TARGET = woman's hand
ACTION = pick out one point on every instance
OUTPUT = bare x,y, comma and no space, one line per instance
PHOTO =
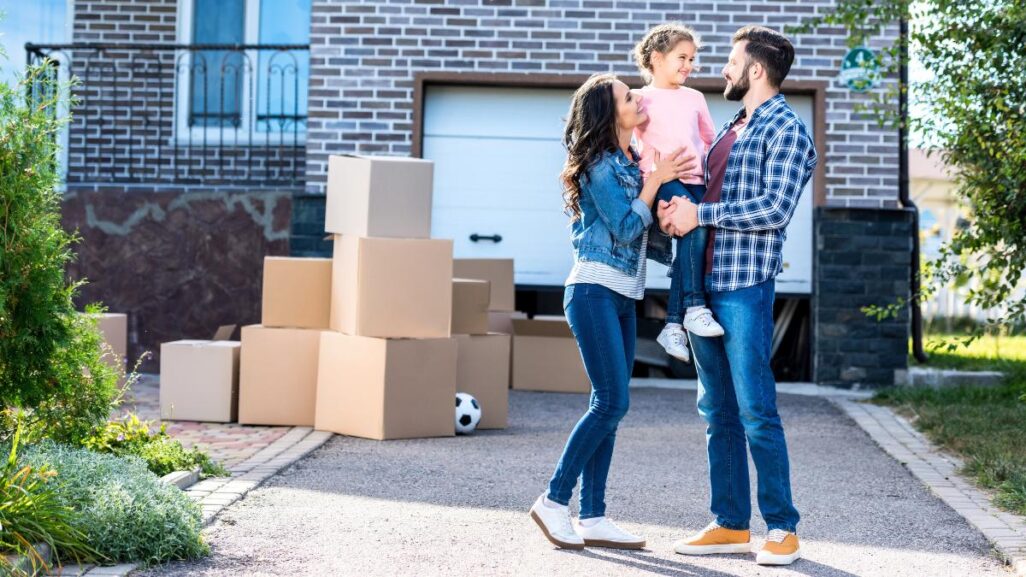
673,166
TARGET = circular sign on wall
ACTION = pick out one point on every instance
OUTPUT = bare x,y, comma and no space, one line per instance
860,69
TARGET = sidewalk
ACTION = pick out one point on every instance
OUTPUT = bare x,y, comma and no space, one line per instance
458,505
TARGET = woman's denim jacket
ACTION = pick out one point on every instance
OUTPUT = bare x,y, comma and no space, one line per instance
613,218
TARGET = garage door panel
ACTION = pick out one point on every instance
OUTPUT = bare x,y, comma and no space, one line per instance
471,111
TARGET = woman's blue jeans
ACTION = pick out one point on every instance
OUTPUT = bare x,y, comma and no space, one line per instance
737,397
688,268
604,325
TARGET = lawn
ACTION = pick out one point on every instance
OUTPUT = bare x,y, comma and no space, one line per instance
985,426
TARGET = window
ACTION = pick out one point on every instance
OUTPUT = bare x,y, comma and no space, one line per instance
254,89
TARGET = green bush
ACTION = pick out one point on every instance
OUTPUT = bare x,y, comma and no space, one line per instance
162,454
125,511
31,513
50,356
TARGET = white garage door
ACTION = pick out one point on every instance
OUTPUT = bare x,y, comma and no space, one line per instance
497,157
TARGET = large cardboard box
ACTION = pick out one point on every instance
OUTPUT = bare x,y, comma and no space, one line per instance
199,379
498,271
470,298
386,388
379,196
482,369
278,376
296,293
388,287
502,321
546,357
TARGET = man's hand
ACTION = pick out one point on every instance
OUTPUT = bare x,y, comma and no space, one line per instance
678,217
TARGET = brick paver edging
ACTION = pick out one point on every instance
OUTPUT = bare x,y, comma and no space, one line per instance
939,472
215,494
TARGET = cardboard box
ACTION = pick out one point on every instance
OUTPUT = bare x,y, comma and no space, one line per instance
379,196
482,370
498,271
199,379
470,298
278,376
546,357
502,321
296,293
386,388
387,287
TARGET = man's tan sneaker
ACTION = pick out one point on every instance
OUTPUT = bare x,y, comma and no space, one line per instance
715,540
781,548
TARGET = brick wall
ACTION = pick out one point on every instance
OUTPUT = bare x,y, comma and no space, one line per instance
364,56
862,257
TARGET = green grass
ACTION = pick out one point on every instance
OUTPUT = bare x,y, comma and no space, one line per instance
985,426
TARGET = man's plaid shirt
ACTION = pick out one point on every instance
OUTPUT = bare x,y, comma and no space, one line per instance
767,170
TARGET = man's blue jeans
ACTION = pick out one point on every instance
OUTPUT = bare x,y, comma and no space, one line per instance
603,322
737,397
688,268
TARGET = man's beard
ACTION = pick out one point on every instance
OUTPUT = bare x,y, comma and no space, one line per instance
735,91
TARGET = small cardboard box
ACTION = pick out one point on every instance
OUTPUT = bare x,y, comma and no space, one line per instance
482,370
278,376
498,271
546,357
297,292
199,379
379,196
388,287
502,321
470,298
114,328
386,388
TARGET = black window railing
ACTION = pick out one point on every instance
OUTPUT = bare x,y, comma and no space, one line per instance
184,113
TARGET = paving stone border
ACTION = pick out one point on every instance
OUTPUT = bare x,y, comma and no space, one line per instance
217,493
939,472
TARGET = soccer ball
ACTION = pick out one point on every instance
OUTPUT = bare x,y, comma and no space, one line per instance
468,413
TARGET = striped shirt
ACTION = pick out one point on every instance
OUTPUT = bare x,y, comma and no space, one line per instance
588,272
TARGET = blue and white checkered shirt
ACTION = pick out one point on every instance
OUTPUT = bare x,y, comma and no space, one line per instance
768,168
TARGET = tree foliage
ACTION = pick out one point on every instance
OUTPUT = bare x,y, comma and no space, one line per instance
971,110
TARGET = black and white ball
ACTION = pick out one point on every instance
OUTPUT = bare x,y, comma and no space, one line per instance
468,413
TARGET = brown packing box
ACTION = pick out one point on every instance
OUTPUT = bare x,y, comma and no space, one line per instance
483,363
498,271
114,328
502,321
296,293
470,298
278,376
546,357
386,388
379,196
199,379
388,287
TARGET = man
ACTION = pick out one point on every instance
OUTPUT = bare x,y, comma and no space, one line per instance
756,170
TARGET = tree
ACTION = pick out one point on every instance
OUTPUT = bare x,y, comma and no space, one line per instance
971,111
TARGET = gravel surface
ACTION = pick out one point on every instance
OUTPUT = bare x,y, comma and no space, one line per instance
458,506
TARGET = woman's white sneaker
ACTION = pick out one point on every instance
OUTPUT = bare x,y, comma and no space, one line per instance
700,322
555,523
604,533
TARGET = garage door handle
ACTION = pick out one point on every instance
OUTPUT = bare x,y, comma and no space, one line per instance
478,237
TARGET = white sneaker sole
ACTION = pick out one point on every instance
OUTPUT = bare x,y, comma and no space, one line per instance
557,542
705,332
712,549
614,544
764,558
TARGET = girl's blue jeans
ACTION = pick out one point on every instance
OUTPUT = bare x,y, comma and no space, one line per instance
688,268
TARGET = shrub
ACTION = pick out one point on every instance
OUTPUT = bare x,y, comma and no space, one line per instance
162,454
125,511
50,356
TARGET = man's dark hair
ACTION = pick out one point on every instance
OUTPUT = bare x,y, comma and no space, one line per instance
770,48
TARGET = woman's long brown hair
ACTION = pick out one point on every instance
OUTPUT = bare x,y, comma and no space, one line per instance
591,129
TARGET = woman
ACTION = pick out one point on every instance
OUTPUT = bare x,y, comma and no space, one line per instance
611,212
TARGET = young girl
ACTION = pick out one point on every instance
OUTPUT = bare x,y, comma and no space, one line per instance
610,212
678,117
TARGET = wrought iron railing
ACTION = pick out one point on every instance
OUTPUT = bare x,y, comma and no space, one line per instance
184,113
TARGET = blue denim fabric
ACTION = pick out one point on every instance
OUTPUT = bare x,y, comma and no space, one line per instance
613,218
604,324
737,397
688,267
